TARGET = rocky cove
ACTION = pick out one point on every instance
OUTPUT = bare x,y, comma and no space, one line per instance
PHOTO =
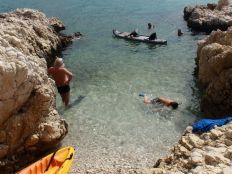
28,95
210,152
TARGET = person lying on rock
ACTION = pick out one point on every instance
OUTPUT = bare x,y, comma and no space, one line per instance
160,100
62,78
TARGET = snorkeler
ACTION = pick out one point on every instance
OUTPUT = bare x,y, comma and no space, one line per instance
160,100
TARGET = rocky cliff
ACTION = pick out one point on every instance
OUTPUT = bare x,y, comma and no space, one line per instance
214,59
28,117
209,17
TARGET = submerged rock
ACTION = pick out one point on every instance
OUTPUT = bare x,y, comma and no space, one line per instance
209,17
29,120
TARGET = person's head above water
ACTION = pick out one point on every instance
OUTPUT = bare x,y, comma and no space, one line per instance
179,32
58,62
174,105
149,25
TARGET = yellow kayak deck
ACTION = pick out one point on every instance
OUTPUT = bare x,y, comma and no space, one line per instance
58,162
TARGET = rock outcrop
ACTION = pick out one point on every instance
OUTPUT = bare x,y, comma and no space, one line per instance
207,153
28,117
214,59
209,17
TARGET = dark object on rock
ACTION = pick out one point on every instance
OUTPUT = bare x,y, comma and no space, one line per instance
205,125
211,6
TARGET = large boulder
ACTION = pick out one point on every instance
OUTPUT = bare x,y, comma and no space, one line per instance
214,59
29,120
209,17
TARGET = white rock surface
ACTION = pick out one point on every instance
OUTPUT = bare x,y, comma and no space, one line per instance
212,157
29,119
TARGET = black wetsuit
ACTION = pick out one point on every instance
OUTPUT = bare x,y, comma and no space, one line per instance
152,36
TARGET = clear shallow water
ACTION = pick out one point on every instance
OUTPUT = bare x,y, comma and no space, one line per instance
108,122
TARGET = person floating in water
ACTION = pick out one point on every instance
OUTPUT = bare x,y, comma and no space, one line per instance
62,78
150,26
179,32
160,100
133,34
152,35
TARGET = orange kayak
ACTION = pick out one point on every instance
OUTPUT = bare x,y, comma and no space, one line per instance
58,162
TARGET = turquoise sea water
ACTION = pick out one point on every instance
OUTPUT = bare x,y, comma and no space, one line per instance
109,125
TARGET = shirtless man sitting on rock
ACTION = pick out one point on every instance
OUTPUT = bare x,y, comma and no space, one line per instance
62,79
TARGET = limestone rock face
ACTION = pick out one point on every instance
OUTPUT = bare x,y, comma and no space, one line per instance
28,118
214,59
209,17
198,153
222,3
